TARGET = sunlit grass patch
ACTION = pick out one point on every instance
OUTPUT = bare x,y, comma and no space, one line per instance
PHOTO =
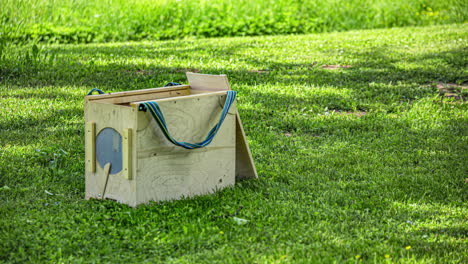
360,163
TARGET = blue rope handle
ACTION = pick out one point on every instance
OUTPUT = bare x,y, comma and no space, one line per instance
95,90
158,116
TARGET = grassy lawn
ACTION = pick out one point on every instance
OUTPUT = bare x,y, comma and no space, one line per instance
84,21
359,157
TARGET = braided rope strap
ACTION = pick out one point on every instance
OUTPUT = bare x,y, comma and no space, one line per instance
95,90
158,116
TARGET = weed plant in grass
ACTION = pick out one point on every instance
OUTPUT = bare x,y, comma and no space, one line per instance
359,157
84,21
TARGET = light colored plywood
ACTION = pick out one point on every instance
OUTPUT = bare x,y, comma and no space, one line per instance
127,150
245,166
167,172
152,167
208,82
192,91
142,97
119,118
90,142
196,96
127,94
143,122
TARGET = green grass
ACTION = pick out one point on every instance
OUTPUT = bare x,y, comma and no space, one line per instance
84,21
355,164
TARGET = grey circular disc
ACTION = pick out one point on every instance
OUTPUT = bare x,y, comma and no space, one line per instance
109,149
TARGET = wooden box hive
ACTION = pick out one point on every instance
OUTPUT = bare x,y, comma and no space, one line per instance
147,166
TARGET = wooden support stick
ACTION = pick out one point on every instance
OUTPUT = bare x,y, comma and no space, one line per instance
107,168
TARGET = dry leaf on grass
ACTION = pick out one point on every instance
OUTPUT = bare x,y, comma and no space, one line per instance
187,70
452,90
334,67
357,113
259,71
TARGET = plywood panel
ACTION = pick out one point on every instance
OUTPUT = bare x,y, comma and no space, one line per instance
168,172
208,82
155,169
192,96
119,118
144,97
129,94
245,166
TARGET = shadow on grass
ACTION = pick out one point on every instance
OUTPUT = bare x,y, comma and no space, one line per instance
35,94
138,66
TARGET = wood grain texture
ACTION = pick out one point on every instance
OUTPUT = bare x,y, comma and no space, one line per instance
167,172
127,95
153,168
245,166
208,82
187,97
119,118
144,97
127,151
90,143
